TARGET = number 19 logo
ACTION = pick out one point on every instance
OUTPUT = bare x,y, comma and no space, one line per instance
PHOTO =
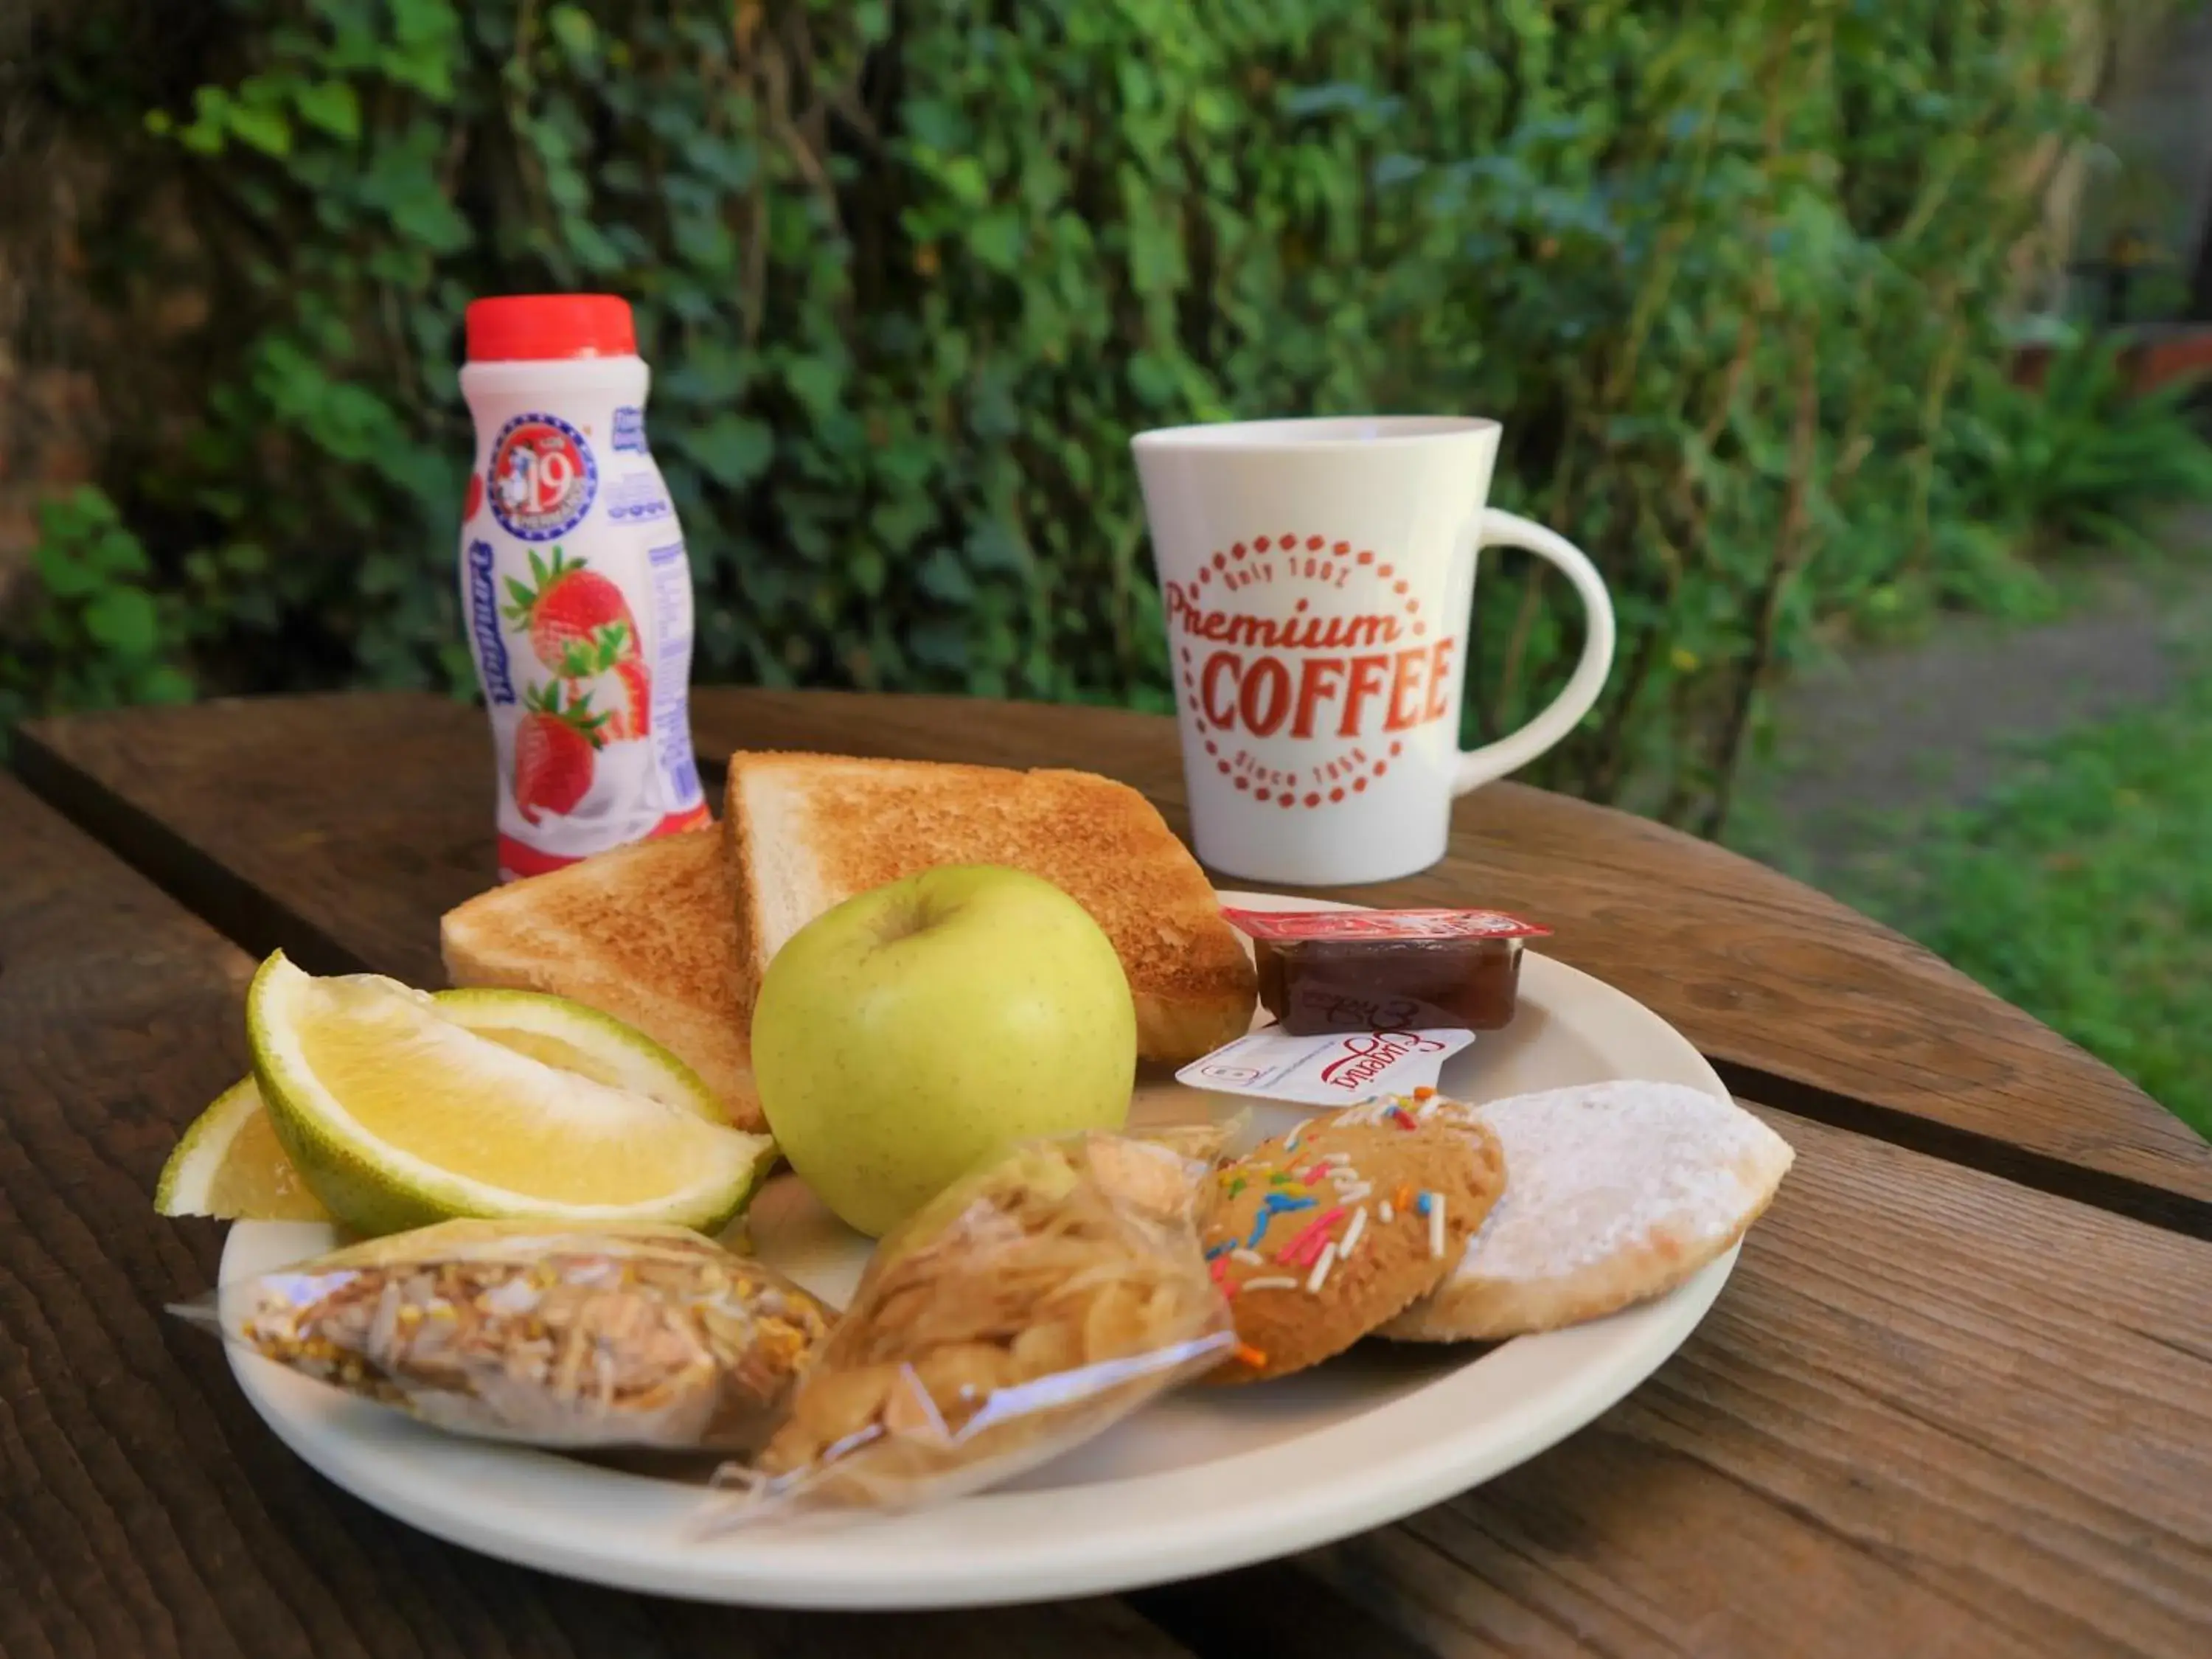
542,477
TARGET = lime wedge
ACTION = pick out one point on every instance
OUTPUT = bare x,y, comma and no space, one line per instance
398,1114
228,1165
575,1038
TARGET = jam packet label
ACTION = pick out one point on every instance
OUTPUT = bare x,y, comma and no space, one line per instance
1323,1006
1287,927
1340,1069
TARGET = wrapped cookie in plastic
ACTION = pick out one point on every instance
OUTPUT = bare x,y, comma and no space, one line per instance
1027,1309
557,1335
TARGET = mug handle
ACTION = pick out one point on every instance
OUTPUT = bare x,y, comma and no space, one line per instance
1515,750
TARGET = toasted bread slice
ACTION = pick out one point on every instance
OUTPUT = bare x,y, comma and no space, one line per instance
808,831
644,932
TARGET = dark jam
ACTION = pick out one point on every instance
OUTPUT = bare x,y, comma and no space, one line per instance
1324,971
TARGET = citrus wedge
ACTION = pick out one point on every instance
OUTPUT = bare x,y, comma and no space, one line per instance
397,1114
582,1040
228,1165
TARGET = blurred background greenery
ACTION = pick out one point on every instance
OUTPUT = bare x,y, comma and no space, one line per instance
1747,280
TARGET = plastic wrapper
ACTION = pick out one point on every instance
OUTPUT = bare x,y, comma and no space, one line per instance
1175,1187
1204,1143
1026,1310
557,1335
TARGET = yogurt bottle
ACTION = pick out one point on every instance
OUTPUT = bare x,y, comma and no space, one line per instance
574,584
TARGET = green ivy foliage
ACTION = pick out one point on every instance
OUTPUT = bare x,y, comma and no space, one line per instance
102,637
909,276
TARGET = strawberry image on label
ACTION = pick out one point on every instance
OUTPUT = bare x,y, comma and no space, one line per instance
612,654
567,606
556,750
633,716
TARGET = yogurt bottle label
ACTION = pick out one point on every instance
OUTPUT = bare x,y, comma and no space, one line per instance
493,671
575,586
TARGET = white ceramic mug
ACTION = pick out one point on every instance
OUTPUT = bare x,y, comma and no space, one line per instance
1319,580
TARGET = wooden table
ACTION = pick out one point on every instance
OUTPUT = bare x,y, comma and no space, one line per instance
1957,1399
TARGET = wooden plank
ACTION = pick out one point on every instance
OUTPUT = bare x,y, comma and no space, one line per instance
144,1508
341,827
1798,998
1933,1414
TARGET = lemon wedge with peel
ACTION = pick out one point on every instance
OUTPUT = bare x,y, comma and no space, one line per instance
228,1164
397,1113
575,1038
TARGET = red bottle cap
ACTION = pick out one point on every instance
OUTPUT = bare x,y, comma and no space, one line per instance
536,327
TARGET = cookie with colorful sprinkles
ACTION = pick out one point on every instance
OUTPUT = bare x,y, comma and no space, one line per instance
1319,1236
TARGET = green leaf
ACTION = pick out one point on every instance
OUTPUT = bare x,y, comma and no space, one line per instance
424,216
264,126
731,449
594,252
815,382
899,523
1151,379
123,619
939,642
731,162
332,106
943,578
963,180
996,239
1329,99
572,28
711,369
65,572
115,552
166,684
867,568
708,244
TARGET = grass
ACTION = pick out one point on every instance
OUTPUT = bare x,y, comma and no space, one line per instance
2079,890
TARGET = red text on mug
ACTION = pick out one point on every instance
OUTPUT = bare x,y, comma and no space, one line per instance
1352,658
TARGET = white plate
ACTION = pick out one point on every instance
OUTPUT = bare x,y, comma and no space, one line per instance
1202,1481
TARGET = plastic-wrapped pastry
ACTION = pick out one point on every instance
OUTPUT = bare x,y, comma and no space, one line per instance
556,1334
1026,1310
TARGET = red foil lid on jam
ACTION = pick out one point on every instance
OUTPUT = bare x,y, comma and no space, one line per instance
1288,926
1412,970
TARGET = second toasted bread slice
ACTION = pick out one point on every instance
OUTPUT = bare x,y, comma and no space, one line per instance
808,831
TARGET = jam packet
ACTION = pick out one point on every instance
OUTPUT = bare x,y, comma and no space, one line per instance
1323,971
